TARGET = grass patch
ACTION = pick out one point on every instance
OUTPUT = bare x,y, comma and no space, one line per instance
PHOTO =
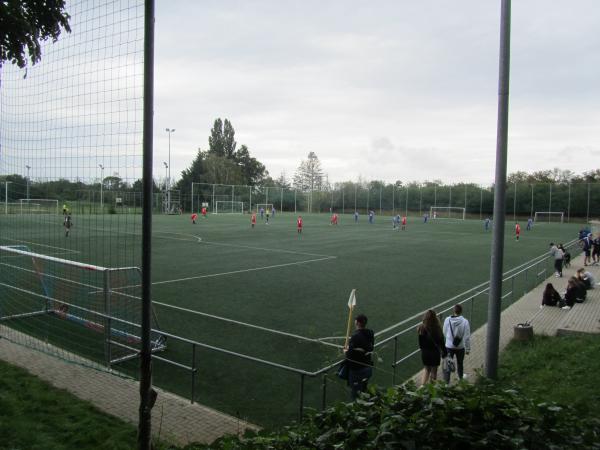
559,369
35,415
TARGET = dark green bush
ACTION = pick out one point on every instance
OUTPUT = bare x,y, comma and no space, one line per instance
437,416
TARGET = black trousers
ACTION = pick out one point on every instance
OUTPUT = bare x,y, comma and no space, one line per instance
460,358
558,265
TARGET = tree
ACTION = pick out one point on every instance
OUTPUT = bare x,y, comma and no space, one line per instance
253,170
27,23
282,182
221,141
309,175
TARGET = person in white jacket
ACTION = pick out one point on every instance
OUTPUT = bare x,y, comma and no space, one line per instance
457,334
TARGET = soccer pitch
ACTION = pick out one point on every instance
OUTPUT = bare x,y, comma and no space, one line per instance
272,294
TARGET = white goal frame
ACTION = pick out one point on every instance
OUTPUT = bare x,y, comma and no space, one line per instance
72,301
549,214
29,202
268,207
228,207
460,209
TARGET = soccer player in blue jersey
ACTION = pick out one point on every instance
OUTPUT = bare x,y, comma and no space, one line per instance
529,224
355,216
486,224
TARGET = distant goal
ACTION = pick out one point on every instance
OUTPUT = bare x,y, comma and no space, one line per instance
549,216
228,207
447,212
37,206
264,206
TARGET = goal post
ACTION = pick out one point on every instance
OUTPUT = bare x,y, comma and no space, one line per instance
48,291
448,212
264,206
38,206
228,207
549,216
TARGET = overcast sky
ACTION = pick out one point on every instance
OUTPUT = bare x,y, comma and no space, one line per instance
392,90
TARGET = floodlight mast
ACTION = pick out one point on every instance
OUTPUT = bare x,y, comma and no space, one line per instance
169,131
28,167
101,188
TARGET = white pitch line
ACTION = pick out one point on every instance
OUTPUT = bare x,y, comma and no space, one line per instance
255,269
248,247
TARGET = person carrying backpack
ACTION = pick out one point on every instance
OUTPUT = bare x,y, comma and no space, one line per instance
457,333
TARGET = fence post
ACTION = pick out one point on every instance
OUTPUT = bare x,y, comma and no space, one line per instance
107,322
395,359
301,395
324,390
193,372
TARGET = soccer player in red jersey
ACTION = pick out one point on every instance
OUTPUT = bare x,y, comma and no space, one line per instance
334,219
253,219
194,217
403,222
517,231
204,212
299,224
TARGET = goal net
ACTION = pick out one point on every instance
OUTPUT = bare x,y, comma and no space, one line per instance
38,206
549,216
85,309
228,207
264,206
447,212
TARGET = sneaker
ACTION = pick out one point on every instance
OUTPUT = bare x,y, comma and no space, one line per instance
566,307
556,275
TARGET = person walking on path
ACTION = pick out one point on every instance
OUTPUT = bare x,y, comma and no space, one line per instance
431,343
558,256
457,333
358,356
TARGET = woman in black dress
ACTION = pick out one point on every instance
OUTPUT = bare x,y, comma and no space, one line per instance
431,343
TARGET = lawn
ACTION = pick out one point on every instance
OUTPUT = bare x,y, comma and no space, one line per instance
224,284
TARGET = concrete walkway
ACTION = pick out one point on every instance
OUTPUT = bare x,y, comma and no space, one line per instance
582,318
174,419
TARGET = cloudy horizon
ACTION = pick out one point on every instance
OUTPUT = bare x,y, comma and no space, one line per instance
401,91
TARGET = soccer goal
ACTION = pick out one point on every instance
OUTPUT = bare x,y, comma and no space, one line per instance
38,206
549,216
228,207
86,309
447,212
264,206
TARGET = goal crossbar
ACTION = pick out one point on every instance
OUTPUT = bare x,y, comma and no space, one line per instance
539,214
448,209
228,207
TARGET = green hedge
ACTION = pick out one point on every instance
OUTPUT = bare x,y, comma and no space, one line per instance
436,416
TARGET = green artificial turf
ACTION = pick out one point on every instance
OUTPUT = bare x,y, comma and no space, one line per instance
272,277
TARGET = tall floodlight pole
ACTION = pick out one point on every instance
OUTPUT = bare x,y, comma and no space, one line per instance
28,167
166,201
495,298
169,130
101,188
147,394
6,183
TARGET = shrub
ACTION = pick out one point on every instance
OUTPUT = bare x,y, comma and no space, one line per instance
435,416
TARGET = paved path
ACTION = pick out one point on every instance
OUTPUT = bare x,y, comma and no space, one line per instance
582,318
174,418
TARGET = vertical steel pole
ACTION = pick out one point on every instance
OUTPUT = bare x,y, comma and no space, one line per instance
495,296
380,210
145,409
232,196
192,197
531,213
465,198
569,205
212,209
480,203
549,200
515,204
301,395
393,201
107,321
406,204
587,214
420,200
450,196
193,373
355,189
435,195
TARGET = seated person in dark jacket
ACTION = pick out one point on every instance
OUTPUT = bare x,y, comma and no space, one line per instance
571,292
551,297
358,356
581,289
585,277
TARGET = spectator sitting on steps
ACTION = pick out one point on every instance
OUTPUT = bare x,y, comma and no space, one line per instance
551,297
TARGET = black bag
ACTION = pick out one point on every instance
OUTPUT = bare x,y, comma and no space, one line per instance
342,371
455,339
